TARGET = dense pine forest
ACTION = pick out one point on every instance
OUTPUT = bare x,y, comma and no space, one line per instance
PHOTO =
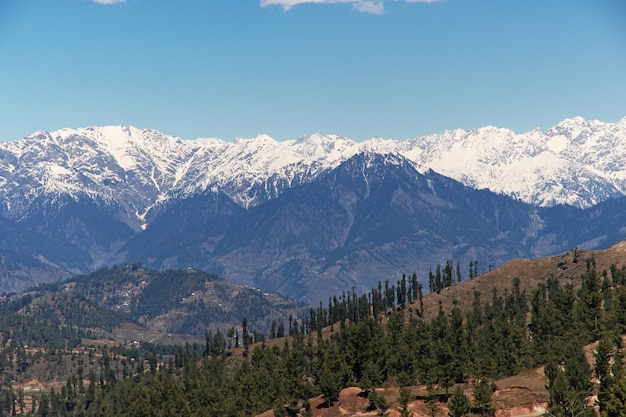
365,341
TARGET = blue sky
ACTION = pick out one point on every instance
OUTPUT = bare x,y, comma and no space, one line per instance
238,68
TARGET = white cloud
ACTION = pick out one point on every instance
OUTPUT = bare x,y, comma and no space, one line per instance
109,1
365,6
288,4
375,7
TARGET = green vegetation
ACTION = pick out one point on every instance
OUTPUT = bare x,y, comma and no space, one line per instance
371,340
186,301
459,404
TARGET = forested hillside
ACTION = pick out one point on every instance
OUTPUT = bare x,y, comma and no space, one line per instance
57,335
445,361
181,301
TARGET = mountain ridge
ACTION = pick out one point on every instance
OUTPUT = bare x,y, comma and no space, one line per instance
306,217
147,167
373,217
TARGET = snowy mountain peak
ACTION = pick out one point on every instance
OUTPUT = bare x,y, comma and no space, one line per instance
330,148
258,139
572,121
577,162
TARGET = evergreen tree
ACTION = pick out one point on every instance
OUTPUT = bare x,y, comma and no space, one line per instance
457,339
616,405
279,410
578,371
432,402
331,374
588,310
280,332
244,332
445,366
565,400
602,370
404,397
153,361
44,406
378,402
438,285
459,405
273,330
482,397
415,286
431,280
307,411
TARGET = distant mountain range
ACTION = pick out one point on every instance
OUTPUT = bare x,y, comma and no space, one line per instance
309,217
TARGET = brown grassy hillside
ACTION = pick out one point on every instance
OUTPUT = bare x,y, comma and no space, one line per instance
521,395
568,267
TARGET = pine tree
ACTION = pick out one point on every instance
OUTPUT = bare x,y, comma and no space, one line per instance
431,280
616,405
459,404
564,399
438,285
404,397
603,356
244,331
482,397
432,402
378,402
279,410
331,374
578,371
307,411
588,310
44,406
273,330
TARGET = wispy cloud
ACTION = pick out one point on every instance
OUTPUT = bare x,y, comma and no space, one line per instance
365,6
109,1
375,7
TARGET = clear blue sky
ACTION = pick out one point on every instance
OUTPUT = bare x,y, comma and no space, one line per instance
238,68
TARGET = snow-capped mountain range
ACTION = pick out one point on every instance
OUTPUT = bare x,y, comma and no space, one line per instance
306,217
577,162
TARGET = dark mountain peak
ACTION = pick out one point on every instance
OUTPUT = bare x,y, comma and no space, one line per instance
369,169
178,228
373,161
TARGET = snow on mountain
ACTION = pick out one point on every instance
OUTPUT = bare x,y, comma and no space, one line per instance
576,162
117,165
252,170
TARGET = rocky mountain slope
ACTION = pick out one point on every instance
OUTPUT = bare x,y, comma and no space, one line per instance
372,218
306,217
576,162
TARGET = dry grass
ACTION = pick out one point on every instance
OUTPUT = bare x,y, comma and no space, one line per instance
529,271
520,395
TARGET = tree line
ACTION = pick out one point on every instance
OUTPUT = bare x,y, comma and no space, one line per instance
374,340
